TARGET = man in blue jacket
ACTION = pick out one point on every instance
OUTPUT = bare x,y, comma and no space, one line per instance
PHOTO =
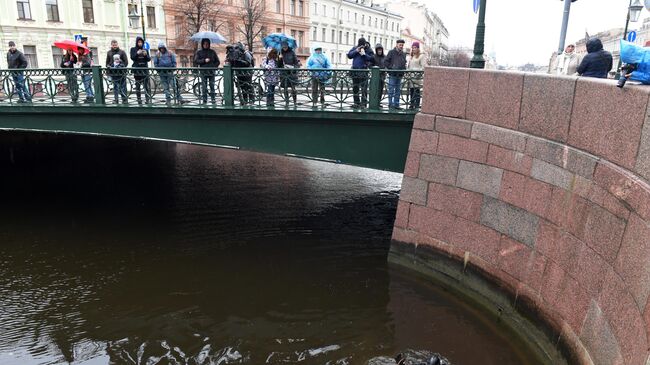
597,62
361,56
167,59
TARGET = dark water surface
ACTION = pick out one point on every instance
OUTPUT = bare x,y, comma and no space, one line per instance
123,252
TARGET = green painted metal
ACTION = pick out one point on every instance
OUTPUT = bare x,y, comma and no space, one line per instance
228,87
375,88
375,140
98,85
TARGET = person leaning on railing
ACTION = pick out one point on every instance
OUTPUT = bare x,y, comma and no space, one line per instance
395,60
271,76
68,61
165,62
118,76
416,62
16,60
86,62
361,56
206,58
319,78
141,58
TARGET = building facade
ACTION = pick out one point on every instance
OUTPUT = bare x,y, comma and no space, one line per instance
336,26
279,16
36,24
420,23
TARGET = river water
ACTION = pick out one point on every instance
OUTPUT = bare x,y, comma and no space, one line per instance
130,252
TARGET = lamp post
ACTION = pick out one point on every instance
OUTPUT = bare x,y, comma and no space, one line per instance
565,23
134,16
479,41
633,14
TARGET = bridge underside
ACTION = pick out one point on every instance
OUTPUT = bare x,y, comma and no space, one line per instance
374,140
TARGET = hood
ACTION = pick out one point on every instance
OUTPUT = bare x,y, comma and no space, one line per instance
203,43
138,38
316,46
161,45
594,45
378,46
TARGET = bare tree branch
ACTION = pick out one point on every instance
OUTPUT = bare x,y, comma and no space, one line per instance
251,19
199,15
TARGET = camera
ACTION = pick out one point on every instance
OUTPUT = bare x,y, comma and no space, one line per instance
626,70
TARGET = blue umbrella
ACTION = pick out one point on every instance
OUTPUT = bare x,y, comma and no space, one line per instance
214,37
274,40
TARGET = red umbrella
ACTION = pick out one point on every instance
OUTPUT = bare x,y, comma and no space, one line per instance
73,46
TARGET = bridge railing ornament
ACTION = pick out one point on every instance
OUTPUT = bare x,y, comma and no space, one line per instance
227,87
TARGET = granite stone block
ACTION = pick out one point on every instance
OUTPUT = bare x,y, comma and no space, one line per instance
565,295
424,121
433,223
476,239
551,174
412,165
449,100
513,187
438,169
603,232
404,235
494,97
402,215
642,166
414,191
459,202
633,261
509,220
502,137
546,106
634,192
521,262
458,127
462,148
611,127
509,160
599,339
581,163
545,150
479,178
423,141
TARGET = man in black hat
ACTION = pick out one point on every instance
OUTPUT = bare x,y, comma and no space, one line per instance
395,60
17,60
361,57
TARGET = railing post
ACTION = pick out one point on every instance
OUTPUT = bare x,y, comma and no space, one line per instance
375,88
228,87
98,84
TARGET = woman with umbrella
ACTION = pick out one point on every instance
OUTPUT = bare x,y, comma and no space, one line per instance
68,62
287,59
206,57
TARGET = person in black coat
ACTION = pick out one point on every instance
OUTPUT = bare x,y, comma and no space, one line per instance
206,57
141,59
67,64
17,60
289,79
597,63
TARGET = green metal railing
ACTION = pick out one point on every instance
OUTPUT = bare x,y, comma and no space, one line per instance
227,87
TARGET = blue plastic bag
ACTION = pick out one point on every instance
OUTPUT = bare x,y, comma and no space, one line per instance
631,53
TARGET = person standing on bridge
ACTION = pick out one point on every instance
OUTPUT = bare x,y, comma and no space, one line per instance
68,61
141,58
361,57
17,60
166,59
271,76
416,62
395,60
567,62
86,62
379,62
288,59
206,57
597,63
117,71
319,60
124,62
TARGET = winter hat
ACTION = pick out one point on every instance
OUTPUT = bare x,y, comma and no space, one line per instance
378,46
415,44
12,44
116,57
400,41
362,42
161,44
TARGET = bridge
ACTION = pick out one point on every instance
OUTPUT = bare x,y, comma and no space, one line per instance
143,103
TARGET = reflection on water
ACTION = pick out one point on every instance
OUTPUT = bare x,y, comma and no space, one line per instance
123,252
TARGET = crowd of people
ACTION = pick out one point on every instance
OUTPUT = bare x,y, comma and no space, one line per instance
280,70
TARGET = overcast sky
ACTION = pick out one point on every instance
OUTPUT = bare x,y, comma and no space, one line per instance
522,31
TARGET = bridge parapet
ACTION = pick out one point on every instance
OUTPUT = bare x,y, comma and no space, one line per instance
540,184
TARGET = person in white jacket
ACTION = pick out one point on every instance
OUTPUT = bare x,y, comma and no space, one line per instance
417,61
567,62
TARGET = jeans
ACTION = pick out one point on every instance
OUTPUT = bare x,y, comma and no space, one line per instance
414,93
119,88
88,86
270,94
317,89
360,86
140,81
73,87
205,81
19,81
394,90
168,80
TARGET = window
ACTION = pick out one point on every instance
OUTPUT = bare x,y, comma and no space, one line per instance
292,7
151,17
332,56
333,12
301,38
212,25
293,33
301,5
333,35
348,15
133,23
355,17
392,26
398,27
340,36
314,34
315,9
24,11
354,38
52,9
375,22
178,26
278,6
324,10
363,20
381,23
89,14
347,37
30,55
57,56
340,56
323,34
278,30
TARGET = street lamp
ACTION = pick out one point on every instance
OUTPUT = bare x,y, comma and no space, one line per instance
479,41
633,14
134,16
